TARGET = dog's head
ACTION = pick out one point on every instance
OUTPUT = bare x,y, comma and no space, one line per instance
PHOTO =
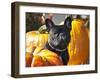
59,35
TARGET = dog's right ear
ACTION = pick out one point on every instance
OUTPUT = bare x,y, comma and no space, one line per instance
49,24
68,22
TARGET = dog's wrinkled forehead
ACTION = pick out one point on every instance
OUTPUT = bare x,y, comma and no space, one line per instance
57,29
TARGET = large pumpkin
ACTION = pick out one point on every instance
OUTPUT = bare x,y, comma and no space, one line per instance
34,39
79,45
44,57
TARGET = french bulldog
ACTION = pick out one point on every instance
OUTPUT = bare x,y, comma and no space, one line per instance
59,38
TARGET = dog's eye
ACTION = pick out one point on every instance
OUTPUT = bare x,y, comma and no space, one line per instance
55,33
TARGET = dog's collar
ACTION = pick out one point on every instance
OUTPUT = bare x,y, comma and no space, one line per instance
56,49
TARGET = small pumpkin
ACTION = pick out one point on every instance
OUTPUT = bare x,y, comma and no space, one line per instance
79,45
34,39
45,57
28,59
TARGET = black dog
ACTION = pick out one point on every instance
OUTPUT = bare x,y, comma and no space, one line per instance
59,38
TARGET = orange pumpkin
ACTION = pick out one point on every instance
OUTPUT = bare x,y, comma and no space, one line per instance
34,39
79,45
28,59
45,57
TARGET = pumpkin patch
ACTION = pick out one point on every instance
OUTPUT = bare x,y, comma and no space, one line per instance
78,47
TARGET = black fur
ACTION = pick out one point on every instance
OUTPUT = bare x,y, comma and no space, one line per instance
59,38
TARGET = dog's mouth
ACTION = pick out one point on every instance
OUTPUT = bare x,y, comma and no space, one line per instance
57,48
58,44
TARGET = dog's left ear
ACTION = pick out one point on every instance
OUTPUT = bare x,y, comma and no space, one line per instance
49,24
68,22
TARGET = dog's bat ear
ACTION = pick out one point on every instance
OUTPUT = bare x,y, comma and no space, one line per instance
49,23
68,22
